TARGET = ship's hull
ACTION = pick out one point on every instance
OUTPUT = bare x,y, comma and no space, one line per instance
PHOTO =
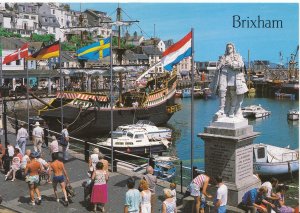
139,150
98,120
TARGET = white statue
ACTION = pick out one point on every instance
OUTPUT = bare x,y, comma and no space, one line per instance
230,82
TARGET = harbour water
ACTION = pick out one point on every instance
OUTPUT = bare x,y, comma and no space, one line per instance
275,129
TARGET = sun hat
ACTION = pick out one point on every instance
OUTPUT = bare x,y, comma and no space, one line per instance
37,123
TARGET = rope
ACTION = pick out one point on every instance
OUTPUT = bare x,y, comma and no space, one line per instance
81,127
80,110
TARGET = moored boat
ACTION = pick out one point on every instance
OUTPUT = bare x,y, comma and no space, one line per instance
137,141
164,167
186,93
152,130
273,160
178,93
293,115
255,111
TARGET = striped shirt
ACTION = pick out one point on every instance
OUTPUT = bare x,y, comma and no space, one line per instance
199,180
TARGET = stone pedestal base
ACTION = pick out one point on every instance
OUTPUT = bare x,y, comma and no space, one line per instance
229,153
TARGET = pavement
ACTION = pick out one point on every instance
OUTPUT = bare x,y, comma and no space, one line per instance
16,194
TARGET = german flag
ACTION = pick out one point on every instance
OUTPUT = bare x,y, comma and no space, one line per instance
50,51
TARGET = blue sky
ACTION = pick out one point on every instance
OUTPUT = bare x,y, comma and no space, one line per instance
212,25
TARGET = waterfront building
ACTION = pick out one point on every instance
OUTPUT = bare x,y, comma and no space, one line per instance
155,42
99,20
134,40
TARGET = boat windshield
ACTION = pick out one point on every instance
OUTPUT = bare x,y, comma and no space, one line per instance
129,134
139,136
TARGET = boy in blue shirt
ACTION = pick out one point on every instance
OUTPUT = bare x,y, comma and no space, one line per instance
132,198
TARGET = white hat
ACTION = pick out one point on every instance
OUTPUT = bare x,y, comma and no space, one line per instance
37,123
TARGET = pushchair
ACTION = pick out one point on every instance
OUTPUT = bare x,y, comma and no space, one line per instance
87,187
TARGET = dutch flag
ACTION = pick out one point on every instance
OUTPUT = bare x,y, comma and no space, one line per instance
177,52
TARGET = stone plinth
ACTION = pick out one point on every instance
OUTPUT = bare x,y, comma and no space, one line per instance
229,153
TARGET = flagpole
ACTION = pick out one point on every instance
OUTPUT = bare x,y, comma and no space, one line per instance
1,72
111,106
192,108
27,93
61,89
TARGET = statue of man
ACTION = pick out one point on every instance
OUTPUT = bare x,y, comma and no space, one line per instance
230,81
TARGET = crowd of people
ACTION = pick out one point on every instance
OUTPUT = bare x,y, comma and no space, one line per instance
141,199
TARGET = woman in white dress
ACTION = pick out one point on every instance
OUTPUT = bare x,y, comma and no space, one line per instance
146,197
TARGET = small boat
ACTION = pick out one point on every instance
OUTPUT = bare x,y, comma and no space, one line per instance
273,160
281,95
207,93
178,93
255,111
152,130
198,93
164,167
186,93
136,141
293,115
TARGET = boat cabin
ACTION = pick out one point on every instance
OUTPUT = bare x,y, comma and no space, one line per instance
260,154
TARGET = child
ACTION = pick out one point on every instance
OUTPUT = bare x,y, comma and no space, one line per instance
173,190
168,206
146,197
132,198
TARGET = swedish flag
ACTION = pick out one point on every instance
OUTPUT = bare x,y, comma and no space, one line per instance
95,50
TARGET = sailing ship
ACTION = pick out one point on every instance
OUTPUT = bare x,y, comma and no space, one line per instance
90,113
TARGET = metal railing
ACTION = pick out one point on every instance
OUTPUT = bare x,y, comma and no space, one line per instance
182,176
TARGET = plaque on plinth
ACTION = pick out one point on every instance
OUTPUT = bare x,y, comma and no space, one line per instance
229,153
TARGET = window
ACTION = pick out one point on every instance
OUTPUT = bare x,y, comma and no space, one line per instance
18,62
54,30
129,134
139,136
46,20
26,16
33,17
53,11
261,152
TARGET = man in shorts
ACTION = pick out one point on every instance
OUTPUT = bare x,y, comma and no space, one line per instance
58,168
33,168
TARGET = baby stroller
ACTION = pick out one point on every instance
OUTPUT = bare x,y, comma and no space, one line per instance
87,187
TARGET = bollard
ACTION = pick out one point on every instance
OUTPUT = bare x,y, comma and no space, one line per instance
16,124
194,172
5,122
86,151
181,181
114,163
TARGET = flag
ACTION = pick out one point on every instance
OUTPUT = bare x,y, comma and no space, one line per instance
177,52
17,55
95,50
50,51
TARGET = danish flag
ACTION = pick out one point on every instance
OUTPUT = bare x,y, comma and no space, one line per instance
17,55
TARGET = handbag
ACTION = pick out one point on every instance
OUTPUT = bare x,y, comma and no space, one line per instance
63,142
70,191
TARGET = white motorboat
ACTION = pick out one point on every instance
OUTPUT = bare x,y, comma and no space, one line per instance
255,111
152,130
137,141
293,115
273,160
